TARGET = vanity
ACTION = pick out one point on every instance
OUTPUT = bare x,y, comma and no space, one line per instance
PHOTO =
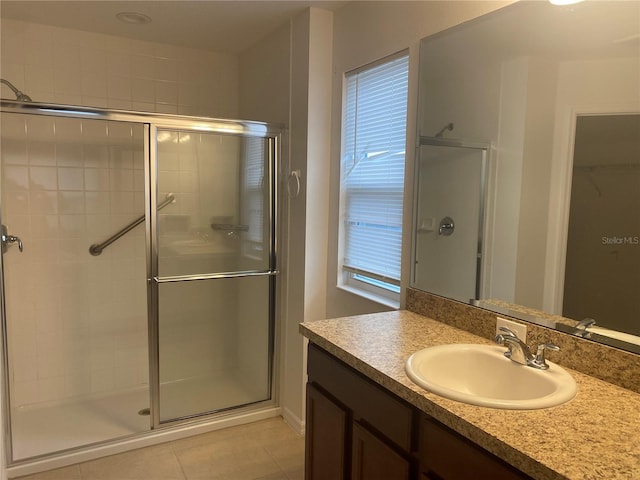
366,419
356,426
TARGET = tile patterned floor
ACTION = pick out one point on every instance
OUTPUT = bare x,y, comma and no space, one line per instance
265,450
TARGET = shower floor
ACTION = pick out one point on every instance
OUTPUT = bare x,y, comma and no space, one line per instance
60,426
71,424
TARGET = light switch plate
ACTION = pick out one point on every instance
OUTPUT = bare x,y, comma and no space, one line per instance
518,328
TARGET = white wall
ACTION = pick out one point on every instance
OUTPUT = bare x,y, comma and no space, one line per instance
309,139
505,182
536,177
264,80
522,137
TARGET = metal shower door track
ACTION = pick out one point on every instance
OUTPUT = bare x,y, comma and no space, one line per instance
205,124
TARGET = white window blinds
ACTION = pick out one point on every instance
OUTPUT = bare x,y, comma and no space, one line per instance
372,169
254,172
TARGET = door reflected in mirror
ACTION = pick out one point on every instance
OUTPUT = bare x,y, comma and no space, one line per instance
602,271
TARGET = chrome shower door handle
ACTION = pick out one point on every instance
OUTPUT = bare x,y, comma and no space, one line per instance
9,239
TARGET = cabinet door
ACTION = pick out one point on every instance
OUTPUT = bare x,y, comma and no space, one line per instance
326,431
372,459
386,414
448,456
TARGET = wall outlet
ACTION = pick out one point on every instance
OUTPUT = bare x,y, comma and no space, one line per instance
518,328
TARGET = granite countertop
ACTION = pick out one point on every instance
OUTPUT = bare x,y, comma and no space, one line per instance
596,435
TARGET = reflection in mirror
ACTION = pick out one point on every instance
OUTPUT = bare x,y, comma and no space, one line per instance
602,272
450,179
552,89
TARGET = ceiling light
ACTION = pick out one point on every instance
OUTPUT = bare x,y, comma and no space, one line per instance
564,2
133,18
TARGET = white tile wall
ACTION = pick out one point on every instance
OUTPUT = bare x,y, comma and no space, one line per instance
81,68
77,323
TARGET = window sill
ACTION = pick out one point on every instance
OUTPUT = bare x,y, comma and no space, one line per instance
387,302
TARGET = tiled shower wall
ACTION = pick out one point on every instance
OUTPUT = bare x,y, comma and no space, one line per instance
58,65
77,335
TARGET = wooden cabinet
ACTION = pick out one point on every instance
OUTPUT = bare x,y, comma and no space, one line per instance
444,455
325,448
373,458
357,430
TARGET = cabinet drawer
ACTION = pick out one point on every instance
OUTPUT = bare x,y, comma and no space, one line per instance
381,410
446,455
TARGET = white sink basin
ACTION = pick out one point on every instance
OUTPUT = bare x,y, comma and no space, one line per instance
482,375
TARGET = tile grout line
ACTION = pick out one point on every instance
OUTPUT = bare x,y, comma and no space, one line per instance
274,460
184,473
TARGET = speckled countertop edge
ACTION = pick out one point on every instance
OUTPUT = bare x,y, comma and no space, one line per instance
594,436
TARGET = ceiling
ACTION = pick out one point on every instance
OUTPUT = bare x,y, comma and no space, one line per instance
221,26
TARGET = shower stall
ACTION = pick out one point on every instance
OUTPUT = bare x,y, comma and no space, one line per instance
138,273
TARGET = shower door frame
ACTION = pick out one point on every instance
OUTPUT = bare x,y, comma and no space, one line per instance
154,279
485,149
151,122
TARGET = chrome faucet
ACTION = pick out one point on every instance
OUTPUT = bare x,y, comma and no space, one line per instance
519,352
582,326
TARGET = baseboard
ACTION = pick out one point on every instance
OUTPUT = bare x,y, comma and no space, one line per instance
293,420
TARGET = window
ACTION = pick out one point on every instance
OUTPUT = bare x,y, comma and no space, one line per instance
253,194
372,177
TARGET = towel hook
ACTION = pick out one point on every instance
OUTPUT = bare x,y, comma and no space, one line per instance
295,174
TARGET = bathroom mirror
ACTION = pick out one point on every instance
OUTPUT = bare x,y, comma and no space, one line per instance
555,93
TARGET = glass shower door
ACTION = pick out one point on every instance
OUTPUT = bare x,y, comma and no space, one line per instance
215,271
76,321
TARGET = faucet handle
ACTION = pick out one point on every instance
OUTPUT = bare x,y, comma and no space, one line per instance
540,361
